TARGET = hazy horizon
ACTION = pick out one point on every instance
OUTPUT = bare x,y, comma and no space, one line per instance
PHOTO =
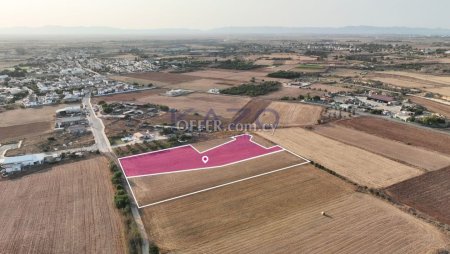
203,14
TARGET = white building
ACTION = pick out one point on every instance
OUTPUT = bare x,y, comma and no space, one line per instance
13,164
3,78
214,91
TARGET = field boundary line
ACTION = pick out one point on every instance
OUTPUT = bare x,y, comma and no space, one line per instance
209,168
129,185
223,185
282,149
190,145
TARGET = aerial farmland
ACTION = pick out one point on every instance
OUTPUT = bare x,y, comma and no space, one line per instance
217,143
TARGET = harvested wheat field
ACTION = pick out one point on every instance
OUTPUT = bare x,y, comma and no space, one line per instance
394,150
407,134
428,193
150,189
66,209
281,213
358,165
202,103
291,114
16,132
433,106
251,111
29,115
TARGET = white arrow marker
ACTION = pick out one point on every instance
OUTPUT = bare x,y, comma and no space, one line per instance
205,159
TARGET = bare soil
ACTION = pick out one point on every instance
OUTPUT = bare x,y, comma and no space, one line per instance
407,134
251,111
428,193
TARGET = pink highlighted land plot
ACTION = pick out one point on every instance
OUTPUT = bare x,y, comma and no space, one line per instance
186,157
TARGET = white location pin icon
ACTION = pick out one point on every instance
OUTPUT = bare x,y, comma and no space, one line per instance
205,159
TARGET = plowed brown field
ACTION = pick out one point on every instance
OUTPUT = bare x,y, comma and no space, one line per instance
428,193
400,132
251,111
66,209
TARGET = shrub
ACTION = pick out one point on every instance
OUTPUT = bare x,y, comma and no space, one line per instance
121,201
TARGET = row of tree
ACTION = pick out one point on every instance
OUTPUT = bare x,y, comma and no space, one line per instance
253,89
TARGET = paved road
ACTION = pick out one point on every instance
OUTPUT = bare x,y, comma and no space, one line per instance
97,127
5,148
98,130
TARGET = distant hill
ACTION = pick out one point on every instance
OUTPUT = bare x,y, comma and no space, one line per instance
348,30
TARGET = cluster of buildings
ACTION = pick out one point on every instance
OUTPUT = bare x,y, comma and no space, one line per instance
72,119
117,65
66,76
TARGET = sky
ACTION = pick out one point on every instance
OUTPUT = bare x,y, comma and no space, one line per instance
207,14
